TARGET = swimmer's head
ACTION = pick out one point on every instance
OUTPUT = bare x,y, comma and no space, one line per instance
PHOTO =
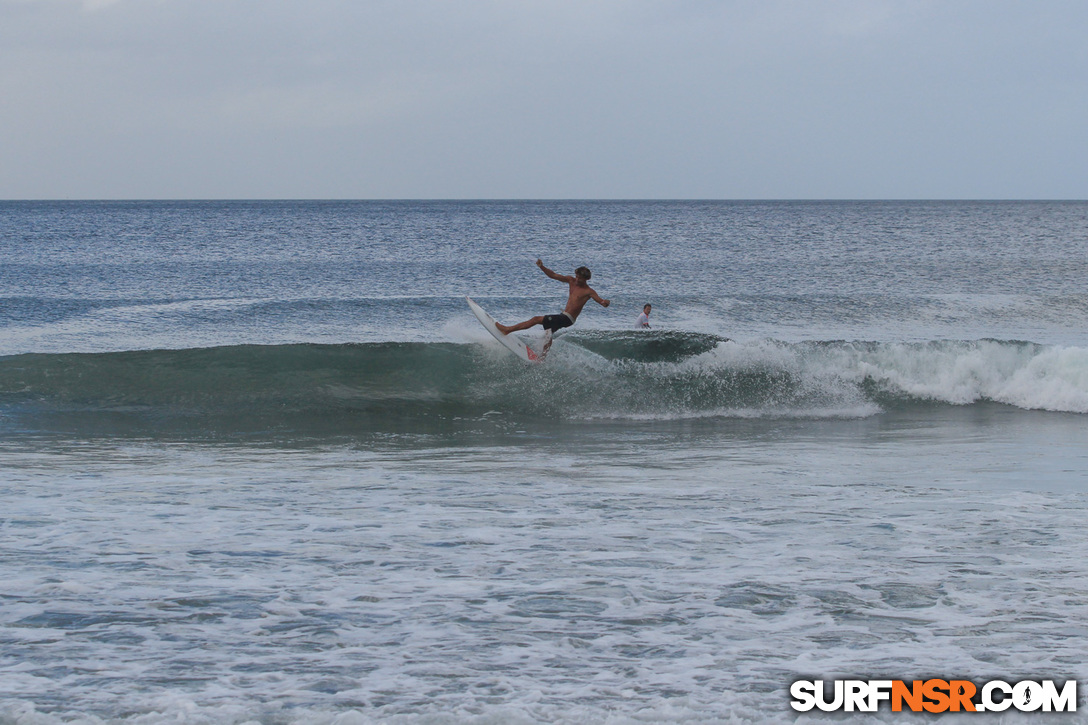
647,308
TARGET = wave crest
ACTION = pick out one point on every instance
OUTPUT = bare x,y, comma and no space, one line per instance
643,375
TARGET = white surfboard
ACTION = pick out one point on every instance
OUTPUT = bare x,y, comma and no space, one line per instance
510,342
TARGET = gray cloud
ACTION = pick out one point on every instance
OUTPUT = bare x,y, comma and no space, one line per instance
643,98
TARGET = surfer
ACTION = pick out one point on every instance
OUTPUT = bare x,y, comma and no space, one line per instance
580,294
644,318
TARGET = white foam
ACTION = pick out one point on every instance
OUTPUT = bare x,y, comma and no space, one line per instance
634,581
1027,376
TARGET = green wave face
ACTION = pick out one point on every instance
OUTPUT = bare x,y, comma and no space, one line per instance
399,387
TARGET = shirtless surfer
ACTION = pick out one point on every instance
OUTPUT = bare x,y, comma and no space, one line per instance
580,294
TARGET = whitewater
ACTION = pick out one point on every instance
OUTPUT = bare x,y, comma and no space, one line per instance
259,463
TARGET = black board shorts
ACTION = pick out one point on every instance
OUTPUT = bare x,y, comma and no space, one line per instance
557,322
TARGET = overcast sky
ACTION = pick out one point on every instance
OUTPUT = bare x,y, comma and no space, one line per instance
720,99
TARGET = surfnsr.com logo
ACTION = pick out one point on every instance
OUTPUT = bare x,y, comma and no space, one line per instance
934,695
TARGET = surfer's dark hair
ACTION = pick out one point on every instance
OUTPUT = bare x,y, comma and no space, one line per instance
583,272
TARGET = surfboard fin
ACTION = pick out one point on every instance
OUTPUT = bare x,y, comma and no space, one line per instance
544,349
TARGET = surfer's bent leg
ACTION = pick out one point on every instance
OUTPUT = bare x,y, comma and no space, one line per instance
507,329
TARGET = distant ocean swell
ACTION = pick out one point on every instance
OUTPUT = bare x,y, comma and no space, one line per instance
589,375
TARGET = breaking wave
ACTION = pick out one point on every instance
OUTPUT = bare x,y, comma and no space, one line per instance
589,375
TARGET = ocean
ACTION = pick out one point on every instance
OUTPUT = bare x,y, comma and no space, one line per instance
260,464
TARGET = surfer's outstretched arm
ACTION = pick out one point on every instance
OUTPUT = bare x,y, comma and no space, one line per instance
553,275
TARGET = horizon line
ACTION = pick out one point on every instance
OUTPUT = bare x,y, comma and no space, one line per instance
621,200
